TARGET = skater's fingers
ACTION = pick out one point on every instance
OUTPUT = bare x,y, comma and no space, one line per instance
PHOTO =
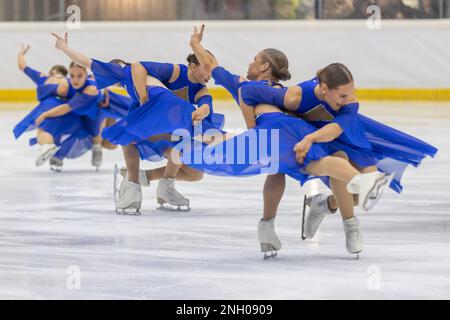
202,30
56,36
300,156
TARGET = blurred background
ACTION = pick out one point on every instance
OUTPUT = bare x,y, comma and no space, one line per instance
140,10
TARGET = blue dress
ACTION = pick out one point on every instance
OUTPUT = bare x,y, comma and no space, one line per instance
72,132
162,114
118,105
47,96
266,149
366,141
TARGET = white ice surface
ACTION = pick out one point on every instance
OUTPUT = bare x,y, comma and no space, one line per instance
49,222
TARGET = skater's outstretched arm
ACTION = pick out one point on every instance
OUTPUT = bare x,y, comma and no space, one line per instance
21,62
326,134
207,60
91,92
105,102
204,102
63,45
53,113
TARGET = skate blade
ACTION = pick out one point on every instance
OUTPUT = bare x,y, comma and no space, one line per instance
133,209
356,255
165,206
128,212
168,207
56,169
377,192
115,189
44,158
269,251
272,255
308,201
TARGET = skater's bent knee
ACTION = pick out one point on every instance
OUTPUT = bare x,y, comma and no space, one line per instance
108,145
341,154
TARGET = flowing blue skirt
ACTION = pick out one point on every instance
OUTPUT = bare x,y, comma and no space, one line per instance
391,150
164,113
118,107
27,123
266,149
69,131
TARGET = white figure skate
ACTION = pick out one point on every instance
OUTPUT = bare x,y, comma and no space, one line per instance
56,164
169,198
370,187
46,151
318,209
127,198
97,156
353,236
268,239
143,180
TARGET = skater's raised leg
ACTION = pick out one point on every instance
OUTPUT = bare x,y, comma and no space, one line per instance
369,186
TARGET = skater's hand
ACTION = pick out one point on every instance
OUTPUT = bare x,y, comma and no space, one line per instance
24,49
60,41
197,36
40,119
105,102
197,116
301,149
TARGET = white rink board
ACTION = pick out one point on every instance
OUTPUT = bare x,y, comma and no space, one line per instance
402,54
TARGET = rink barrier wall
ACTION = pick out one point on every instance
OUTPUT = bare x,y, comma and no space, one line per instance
404,60
29,95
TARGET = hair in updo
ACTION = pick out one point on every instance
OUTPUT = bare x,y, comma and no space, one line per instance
335,75
60,69
278,62
192,58
120,61
73,64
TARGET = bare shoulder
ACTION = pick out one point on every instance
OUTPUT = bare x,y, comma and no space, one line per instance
91,90
201,93
175,73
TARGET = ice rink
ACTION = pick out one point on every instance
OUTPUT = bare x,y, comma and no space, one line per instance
60,237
